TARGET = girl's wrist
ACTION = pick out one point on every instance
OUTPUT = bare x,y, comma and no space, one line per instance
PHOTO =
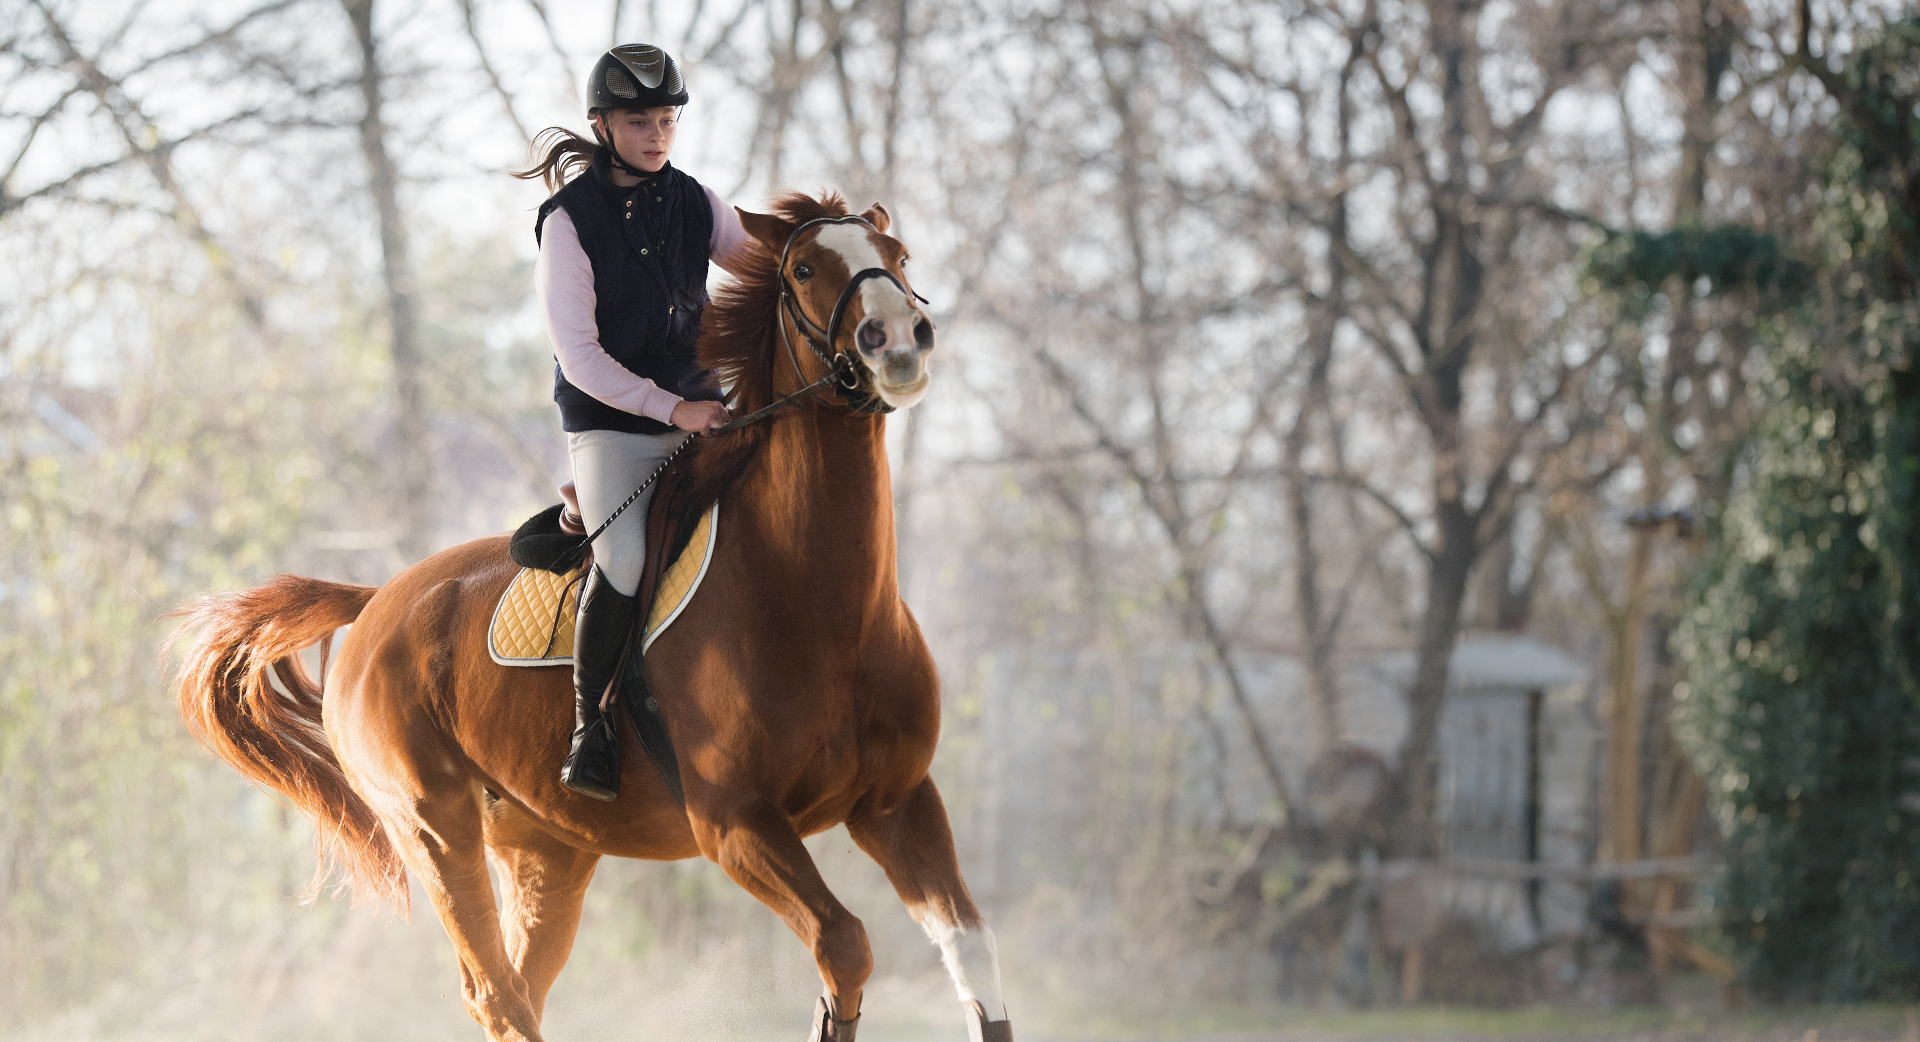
659,404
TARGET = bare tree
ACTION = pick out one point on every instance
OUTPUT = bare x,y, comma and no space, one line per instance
1125,360
1466,216
137,132
412,473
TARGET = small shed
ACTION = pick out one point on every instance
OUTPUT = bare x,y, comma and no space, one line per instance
1061,732
1518,753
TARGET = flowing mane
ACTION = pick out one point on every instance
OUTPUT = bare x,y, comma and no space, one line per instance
740,339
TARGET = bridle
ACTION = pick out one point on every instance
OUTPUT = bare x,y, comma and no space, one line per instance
824,343
842,374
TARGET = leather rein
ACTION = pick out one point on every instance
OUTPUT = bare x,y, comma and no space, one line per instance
841,372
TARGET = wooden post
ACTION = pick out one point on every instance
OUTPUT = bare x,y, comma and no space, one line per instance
1412,969
1675,840
1626,714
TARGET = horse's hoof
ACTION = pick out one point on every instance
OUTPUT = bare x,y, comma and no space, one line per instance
827,1029
980,1029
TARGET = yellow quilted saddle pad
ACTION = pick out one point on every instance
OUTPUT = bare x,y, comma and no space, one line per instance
524,631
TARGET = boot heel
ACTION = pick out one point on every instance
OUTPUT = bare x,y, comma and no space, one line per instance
593,765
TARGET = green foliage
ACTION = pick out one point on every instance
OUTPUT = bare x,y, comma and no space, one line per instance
1883,79
1803,712
1634,266
107,831
1796,711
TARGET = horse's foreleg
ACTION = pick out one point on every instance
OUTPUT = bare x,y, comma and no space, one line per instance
914,845
544,882
758,847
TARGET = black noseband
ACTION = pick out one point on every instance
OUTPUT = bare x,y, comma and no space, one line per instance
825,342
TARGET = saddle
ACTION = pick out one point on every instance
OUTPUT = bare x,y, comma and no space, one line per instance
533,623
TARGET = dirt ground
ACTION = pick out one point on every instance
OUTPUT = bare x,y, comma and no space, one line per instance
1538,1024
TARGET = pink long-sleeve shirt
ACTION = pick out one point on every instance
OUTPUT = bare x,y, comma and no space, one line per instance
563,283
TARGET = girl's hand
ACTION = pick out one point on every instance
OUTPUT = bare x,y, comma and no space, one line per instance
699,417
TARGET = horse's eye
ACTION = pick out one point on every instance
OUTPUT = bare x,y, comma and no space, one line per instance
802,272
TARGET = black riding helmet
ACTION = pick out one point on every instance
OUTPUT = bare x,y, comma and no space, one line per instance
634,76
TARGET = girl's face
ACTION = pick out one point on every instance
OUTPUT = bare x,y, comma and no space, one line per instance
643,137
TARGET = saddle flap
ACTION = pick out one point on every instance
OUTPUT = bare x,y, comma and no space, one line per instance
533,623
671,519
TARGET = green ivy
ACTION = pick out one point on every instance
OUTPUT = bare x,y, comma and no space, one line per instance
1798,711
1802,709
1633,266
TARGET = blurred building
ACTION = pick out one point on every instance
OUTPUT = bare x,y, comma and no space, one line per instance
1083,758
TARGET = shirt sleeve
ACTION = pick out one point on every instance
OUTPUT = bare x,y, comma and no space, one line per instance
730,239
563,283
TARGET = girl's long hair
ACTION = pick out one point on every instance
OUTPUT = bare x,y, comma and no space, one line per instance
559,155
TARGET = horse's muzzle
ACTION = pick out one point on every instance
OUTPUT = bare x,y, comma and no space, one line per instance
895,351
879,336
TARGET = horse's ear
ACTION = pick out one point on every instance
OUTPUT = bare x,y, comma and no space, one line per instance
877,216
770,230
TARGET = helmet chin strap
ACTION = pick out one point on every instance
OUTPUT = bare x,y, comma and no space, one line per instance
629,167
618,160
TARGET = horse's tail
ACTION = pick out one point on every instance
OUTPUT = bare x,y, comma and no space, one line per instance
250,700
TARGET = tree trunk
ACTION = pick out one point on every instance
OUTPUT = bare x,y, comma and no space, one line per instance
1447,324
1316,630
411,475
1415,831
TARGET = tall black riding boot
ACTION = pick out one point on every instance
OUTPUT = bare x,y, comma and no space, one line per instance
605,622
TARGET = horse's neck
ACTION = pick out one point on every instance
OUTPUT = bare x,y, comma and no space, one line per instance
824,498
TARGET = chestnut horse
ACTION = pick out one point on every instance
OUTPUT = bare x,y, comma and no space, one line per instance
796,686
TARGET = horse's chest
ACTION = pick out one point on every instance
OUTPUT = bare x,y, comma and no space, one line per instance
838,767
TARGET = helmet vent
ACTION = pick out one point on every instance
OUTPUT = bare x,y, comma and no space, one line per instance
619,85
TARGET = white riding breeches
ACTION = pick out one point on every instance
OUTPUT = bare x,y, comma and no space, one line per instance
607,467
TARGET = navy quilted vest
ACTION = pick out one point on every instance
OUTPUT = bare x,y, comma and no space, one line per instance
648,246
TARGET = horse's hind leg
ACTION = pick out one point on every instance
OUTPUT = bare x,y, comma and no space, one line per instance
444,847
758,847
914,844
544,882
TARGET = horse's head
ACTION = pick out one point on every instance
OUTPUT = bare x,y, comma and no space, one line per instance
846,281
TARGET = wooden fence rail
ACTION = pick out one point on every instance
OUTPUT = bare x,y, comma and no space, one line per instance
1498,868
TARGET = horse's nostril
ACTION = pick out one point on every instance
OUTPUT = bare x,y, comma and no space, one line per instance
923,334
873,335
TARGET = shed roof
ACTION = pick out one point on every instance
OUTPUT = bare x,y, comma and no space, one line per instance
1493,662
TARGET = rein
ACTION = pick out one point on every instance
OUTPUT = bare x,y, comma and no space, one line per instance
840,375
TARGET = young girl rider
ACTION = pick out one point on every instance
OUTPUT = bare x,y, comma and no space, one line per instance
622,276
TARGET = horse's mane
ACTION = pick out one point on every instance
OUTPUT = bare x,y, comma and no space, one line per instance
739,338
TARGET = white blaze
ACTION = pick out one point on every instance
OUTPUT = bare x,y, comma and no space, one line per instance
851,243
972,961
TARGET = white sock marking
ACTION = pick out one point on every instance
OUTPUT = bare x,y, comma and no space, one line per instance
973,962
